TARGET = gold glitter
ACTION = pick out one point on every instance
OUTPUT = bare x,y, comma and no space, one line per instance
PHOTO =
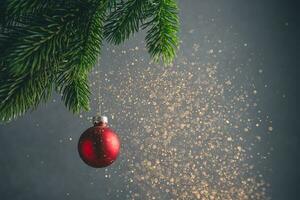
186,133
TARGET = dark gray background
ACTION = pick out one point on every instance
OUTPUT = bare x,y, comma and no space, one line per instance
38,157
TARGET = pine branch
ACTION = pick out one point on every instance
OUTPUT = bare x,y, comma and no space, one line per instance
48,44
112,4
27,78
16,11
162,39
23,7
19,94
82,56
124,21
32,47
75,94
91,39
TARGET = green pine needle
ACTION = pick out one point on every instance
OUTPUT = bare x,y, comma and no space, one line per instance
19,94
84,51
124,21
47,44
162,40
76,94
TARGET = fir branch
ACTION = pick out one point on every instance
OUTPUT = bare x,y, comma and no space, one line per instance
112,4
55,43
124,21
32,47
23,7
85,49
162,39
92,38
16,11
75,94
19,94
27,77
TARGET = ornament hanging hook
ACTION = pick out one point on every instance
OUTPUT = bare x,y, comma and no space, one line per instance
99,82
100,121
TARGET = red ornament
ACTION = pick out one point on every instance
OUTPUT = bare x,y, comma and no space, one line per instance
99,146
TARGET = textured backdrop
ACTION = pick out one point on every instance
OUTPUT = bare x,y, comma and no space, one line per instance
220,123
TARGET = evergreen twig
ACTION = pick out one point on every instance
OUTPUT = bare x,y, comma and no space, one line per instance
162,41
48,44
124,20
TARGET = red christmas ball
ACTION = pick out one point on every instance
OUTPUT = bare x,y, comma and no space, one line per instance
99,146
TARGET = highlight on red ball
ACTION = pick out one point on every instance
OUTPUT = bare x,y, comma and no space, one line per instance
99,146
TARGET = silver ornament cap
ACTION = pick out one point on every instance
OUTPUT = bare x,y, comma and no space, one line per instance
97,119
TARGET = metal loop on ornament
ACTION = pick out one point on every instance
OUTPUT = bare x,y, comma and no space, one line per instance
100,120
